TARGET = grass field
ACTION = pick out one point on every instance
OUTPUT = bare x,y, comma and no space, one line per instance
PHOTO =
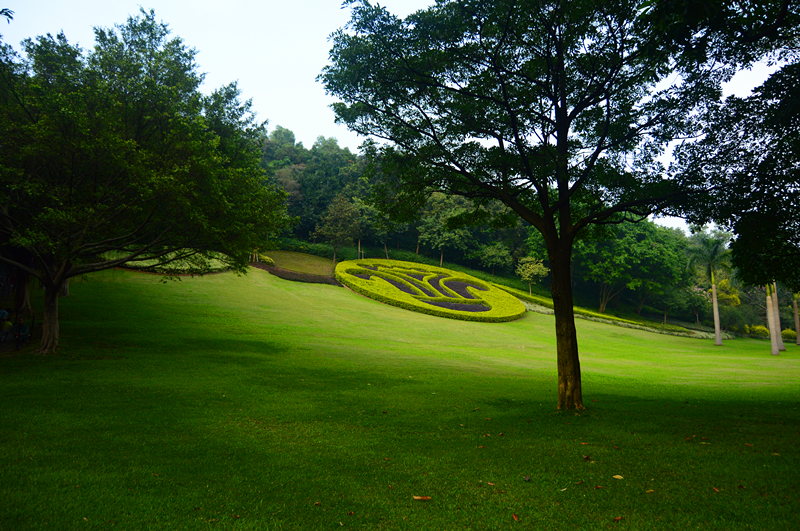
301,262
251,402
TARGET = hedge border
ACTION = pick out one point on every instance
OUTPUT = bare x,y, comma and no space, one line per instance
503,306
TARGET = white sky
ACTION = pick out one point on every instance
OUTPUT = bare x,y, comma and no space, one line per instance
274,48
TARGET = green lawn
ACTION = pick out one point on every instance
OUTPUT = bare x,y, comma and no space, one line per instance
251,402
302,262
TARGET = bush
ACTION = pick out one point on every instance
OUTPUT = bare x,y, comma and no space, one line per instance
757,331
266,260
789,335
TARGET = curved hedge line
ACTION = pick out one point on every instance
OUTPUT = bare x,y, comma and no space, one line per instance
429,289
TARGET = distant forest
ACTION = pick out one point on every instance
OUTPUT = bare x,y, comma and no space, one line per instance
643,268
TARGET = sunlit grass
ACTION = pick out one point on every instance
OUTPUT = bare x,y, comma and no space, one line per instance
257,403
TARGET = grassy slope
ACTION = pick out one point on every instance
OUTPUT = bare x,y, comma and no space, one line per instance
301,262
240,402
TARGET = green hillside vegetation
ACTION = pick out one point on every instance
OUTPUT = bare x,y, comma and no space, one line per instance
251,402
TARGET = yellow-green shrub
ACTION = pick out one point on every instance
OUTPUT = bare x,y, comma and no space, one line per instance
789,335
757,331
266,260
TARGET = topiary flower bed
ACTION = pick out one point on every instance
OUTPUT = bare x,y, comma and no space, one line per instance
429,289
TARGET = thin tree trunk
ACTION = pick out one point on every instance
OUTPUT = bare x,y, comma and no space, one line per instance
359,248
641,303
531,294
417,252
771,325
796,323
665,316
50,325
64,289
777,311
570,395
441,257
717,331
22,295
385,250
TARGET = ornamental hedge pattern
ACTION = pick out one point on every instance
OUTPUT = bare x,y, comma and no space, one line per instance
429,289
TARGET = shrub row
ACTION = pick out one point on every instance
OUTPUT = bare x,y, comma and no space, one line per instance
502,306
762,332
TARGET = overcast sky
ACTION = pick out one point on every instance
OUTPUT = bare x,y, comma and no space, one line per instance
274,49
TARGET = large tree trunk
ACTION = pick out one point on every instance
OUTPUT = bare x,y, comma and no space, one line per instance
717,330
569,367
50,326
796,323
771,325
777,312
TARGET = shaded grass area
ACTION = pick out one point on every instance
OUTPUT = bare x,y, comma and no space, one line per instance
250,402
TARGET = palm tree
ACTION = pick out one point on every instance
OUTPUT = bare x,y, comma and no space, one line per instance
777,317
710,252
796,319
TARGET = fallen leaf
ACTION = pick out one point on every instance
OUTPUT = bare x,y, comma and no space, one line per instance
492,484
316,503
618,518
776,454
384,412
688,438
593,400
578,482
515,517
488,435
236,516
587,457
649,491
748,444
617,477
351,513
562,490
716,489
481,447
385,458
421,498
617,447
599,487
500,435
585,444
527,478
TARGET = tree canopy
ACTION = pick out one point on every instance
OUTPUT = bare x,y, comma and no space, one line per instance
113,156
